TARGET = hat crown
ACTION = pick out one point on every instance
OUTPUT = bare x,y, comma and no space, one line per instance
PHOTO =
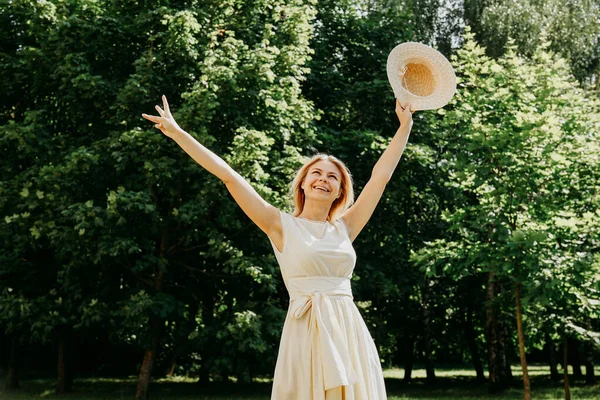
418,79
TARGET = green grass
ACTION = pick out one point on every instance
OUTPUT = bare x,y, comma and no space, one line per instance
460,384
455,384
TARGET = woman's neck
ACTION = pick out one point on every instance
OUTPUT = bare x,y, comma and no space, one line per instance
315,212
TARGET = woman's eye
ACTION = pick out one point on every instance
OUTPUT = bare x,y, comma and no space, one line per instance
333,176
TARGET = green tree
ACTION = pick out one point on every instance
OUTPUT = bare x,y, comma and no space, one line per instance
516,127
128,222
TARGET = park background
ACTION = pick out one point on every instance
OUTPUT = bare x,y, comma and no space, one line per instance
123,262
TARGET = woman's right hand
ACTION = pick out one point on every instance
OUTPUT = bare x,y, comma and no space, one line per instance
165,122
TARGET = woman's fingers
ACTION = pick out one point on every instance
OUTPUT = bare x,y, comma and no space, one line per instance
402,106
399,107
160,111
152,118
166,104
405,106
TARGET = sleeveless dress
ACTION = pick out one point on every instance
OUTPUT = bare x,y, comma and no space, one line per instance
326,351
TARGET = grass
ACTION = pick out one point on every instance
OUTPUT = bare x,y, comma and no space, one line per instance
454,384
461,384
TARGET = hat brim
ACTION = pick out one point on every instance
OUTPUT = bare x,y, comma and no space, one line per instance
440,68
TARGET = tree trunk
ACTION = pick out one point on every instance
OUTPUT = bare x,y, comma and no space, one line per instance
64,381
3,346
61,382
498,378
155,323
505,344
566,367
409,360
526,384
207,353
148,361
12,377
472,343
171,369
590,378
429,365
554,375
182,342
575,358
203,374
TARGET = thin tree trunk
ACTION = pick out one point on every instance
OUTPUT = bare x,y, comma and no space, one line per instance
148,362
203,375
575,359
590,377
566,367
171,369
492,333
3,346
554,375
64,381
207,353
61,382
498,378
429,366
472,343
12,377
526,384
155,323
410,356
183,343
505,344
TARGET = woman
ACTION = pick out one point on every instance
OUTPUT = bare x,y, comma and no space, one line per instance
326,351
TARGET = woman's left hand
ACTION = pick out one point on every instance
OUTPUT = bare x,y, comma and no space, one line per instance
404,113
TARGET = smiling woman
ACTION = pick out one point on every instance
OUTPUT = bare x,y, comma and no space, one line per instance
326,351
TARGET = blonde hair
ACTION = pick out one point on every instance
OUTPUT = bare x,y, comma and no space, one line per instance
341,204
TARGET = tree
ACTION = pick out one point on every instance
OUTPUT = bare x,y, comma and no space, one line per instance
120,209
506,141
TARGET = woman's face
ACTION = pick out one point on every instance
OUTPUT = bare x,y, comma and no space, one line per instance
322,182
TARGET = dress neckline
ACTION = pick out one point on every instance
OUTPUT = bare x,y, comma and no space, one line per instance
313,221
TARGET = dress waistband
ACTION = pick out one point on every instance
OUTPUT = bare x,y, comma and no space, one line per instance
330,357
329,285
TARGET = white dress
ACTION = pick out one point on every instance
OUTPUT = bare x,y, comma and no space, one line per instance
326,351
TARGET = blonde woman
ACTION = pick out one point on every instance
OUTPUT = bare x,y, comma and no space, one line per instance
326,351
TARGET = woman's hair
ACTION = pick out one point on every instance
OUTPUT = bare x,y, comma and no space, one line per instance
341,204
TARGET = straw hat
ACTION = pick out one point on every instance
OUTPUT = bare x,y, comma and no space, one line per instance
420,75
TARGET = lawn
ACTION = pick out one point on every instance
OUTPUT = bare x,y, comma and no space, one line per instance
455,384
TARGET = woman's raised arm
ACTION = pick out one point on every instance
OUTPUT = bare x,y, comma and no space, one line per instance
264,215
357,216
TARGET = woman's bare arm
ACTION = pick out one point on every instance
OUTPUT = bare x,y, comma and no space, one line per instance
357,216
264,215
